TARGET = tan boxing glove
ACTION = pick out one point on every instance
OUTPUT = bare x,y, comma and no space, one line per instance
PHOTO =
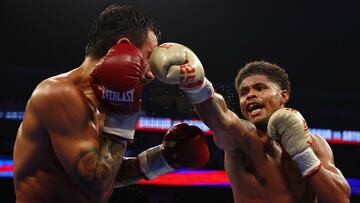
289,127
175,64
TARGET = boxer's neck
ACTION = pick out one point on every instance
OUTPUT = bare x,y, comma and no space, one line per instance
81,74
80,77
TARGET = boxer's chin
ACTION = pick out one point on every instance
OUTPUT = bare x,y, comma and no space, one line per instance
260,121
255,120
256,116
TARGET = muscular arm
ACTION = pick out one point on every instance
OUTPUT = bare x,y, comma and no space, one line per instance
91,160
328,183
230,132
129,172
174,63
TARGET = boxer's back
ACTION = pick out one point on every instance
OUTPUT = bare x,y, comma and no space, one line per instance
38,174
265,175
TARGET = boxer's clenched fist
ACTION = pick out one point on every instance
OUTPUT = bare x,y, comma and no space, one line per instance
173,63
183,146
290,128
117,83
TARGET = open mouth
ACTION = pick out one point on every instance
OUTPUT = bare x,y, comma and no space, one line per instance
254,107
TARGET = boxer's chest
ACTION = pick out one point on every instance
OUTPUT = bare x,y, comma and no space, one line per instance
263,167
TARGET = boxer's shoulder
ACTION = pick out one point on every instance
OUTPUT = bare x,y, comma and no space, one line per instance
53,95
321,148
56,88
317,139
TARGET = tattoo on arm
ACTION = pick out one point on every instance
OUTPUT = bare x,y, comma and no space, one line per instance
99,167
109,158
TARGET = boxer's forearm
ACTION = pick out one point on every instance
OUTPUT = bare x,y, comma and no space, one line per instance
214,113
229,130
129,172
98,169
330,187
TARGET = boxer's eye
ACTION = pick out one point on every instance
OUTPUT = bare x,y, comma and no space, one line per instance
243,92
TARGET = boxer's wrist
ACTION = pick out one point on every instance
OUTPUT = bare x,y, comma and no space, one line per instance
120,125
307,162
153,163
200,94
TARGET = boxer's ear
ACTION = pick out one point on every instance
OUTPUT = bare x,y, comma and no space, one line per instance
284,96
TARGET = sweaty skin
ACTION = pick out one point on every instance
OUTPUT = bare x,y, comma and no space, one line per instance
60,154
258,168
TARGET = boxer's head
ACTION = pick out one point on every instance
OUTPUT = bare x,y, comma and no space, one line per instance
263,88
117,22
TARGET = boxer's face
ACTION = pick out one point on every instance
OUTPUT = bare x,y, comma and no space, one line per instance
150,43
259,98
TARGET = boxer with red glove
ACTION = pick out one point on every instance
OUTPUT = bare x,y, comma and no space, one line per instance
173,63
183,146
72,141
116,82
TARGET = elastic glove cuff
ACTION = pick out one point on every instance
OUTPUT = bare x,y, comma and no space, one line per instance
200,94
307,162
153,163
122,125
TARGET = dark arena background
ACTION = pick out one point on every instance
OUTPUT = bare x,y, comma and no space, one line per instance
317,42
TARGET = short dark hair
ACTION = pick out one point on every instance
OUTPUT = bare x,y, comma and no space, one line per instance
115,22
272,71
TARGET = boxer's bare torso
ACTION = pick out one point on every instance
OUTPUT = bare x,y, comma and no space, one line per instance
259,169
39,174
60,154
263,173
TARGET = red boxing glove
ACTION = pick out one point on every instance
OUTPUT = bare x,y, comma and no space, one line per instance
116,82
184,146
116,79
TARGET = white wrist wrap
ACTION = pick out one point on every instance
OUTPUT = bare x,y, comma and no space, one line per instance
307,161
122,125
200,94
153,163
